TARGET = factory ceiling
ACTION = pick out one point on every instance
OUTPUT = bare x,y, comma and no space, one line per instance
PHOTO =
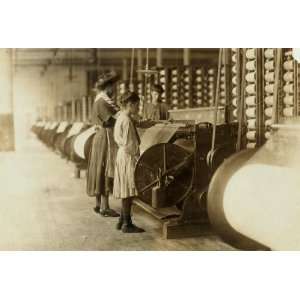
95,58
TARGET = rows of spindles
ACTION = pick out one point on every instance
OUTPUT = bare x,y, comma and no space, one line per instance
250,97
288,85
234,83
186,88
269,80
198,87
174,88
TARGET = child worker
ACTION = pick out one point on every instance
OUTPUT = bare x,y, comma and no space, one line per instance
128,141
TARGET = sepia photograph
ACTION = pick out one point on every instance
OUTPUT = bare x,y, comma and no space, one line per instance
149,149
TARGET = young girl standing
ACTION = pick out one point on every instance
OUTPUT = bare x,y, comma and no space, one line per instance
128,141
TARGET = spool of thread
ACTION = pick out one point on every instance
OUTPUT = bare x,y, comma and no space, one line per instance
251,112
269,65
288,112
175,101
186,94
211,71
251,145
288,65
234,69
234,79
199,94
187,101
288,88
234,57
250,53
267,134
198,71
269,53
251,100
234,102
174,72
250,77
269,88
162,72
234,49
270,76
187,87
288,100
186,79
235,113
269,111
268,122
211,79
234,91
269,100
288,76
250,88
250,65
186,72
174,94
174,87
223,70
198,79
222,101
174,79
222,86
162,79
222,79
251,135
222,94
199,102
251,124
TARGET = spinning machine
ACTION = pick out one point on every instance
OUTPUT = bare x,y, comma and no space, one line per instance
253,197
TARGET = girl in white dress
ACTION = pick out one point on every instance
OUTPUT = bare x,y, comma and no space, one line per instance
128,141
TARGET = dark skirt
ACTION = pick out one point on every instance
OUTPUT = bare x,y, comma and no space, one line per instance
97,181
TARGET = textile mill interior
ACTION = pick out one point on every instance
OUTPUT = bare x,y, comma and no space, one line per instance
150,149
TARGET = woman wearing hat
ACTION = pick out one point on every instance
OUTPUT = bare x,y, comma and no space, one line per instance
103,151
156,110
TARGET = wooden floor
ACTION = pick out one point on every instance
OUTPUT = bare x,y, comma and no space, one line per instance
42,207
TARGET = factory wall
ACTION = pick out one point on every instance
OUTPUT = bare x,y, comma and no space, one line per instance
6,101
36,95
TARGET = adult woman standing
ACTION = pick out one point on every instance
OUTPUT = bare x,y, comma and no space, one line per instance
103,151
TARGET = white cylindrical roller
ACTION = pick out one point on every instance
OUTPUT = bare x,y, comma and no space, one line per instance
250,65
269,53
288,112
251,145
250,77
250,53
222,101
269,88
251,124
269,65
251,100
288,88
270,76
251,135
80,141
288,76
288,65
269,112
251,112
234,69
269,100
288,100
250,89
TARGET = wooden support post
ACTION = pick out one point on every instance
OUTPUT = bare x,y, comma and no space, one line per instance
159,61
186,56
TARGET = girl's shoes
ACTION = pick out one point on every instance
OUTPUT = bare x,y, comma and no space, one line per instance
109,213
